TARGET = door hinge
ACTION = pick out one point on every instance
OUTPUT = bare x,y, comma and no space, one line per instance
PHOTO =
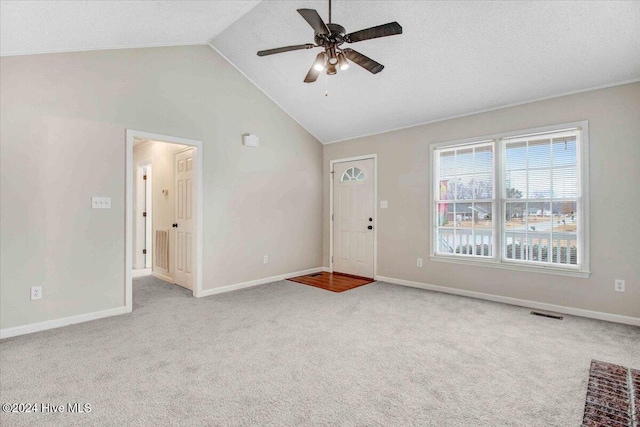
144,177
331,217
144,251
331,259
144,214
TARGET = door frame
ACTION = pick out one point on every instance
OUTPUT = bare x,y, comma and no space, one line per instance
373,156
131,136
140,223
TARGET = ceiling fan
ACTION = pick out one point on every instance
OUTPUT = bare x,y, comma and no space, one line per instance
330,37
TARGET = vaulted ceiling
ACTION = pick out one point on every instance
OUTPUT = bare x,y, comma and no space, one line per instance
453,58
43,26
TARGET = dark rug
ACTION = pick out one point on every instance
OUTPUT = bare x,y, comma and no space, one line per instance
613,396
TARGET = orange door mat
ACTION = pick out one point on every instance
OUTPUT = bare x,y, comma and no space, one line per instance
334,282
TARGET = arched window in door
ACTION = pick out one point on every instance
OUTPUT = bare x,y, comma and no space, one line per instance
353,174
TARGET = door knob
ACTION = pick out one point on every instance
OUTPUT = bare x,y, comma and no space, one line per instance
370,219
175,225
370,227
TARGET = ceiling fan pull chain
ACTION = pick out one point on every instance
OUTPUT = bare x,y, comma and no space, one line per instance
326,85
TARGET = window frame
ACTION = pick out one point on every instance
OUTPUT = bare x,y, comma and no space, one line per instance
498,259
493,200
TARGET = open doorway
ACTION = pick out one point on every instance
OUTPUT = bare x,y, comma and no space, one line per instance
163,211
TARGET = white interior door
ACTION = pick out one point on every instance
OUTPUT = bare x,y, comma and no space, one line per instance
185,190
353,217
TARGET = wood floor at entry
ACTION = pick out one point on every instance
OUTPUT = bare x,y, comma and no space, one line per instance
334,282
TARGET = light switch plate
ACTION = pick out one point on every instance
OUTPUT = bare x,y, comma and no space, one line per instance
101,202
384,204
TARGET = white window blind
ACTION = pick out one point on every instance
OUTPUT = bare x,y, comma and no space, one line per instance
465,199
542,197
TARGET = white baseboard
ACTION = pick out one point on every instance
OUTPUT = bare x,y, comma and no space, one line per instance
243,285
140,272
162,277
57,323
627,320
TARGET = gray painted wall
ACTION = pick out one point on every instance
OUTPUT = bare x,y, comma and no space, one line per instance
62,130
404,177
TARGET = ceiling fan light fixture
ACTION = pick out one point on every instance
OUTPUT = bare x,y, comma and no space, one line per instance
342,60
318,64
331,69
333,59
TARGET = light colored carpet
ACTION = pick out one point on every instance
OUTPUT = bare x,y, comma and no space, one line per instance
286,354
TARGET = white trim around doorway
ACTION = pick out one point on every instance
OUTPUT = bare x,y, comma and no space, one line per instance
131,136
375,203
141,224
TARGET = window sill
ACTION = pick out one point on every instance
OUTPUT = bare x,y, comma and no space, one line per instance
513,267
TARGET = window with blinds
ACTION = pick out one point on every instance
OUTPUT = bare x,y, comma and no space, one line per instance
542,194
464,202
515,200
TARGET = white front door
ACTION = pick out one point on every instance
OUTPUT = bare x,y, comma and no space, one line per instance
353,217
185,182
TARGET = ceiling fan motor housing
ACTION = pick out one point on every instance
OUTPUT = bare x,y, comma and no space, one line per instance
336,36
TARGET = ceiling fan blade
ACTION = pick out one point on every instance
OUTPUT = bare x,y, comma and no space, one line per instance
312,75
285,49
312,17
390,29
363,61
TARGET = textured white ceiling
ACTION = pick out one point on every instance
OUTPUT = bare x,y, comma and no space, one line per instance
454,58
59,26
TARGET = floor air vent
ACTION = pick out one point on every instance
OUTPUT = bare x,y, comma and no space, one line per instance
552,316
314,275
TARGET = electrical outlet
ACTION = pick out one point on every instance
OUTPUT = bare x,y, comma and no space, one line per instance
36,292
419,262
265,259
619,285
